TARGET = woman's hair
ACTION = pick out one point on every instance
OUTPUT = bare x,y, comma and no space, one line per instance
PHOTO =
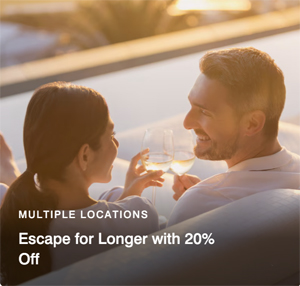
60,118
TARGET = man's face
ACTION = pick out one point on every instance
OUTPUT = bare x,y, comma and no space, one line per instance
213,120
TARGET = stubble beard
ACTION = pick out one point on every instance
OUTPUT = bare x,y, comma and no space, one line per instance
218,152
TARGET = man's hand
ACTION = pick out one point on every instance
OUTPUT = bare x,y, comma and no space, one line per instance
182,183
136,181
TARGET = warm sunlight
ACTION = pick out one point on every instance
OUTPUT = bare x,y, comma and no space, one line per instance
186,5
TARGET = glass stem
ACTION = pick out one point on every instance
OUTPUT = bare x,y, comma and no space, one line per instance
153,195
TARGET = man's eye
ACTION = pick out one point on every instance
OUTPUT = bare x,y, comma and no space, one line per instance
203,111
113,134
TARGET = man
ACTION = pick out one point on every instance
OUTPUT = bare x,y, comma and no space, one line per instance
236,104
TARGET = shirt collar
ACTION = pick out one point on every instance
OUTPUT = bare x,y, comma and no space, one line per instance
276,160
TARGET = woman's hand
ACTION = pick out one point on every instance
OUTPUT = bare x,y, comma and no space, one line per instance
182,183
8,167
136,182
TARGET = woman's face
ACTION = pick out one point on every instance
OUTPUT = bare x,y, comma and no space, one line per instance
101,165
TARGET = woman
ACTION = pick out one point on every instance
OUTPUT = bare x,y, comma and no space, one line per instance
69,144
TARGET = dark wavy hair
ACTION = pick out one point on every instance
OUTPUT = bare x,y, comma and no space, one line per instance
60,118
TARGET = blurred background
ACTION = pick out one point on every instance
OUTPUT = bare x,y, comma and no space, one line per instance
141,55
33,30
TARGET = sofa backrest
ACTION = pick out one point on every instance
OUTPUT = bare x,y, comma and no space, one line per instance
256,242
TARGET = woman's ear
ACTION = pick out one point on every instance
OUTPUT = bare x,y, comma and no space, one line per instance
83,156
253,122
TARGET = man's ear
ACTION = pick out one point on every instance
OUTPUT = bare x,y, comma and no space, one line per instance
83,156
253,122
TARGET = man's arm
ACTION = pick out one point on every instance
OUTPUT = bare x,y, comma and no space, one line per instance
194,202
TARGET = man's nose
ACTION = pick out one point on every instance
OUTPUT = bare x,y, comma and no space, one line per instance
188,122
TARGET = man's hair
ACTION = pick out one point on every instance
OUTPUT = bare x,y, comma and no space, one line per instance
254,80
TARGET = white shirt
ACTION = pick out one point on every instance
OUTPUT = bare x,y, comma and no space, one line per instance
63,255
280,170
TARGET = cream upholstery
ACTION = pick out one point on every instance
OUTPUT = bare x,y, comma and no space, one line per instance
130,144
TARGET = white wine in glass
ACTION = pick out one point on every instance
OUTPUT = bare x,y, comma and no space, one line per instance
184,156
183,162
154,161
160,143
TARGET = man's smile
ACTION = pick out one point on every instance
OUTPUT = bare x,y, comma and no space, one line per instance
201,136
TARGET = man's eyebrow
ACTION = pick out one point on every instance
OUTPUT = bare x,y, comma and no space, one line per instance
198,105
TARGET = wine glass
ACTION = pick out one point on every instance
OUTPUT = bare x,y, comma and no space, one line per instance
160,153
184,156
